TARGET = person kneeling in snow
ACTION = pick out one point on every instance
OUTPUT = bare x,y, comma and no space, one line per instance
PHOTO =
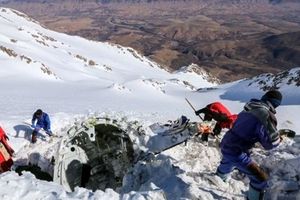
256,123
6,153
43,122
220,114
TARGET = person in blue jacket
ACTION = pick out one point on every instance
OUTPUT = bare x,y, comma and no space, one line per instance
42,122
256,123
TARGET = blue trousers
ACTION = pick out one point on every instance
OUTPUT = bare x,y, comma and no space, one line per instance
241,162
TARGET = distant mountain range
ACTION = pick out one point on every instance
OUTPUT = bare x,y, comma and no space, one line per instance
228,38
30,51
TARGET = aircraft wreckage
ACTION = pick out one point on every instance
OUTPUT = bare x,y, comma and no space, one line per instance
98,152
95,154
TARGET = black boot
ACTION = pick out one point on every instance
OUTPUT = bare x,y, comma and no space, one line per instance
255,194
33,137
204,137
217,130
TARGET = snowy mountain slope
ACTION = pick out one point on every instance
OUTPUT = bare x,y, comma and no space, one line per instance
287,81
72,78
37,61
185,171
68,58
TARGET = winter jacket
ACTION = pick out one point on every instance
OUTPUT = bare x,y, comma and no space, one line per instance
43,121
5,153
220,113
256,123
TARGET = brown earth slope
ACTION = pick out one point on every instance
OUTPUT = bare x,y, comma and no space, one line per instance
231,39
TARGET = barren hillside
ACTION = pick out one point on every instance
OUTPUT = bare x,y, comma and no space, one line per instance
231,39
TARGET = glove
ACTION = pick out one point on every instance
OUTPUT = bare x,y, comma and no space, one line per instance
198,112
49,132
32,126
204,110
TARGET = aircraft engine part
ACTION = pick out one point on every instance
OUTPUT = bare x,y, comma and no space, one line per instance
95,154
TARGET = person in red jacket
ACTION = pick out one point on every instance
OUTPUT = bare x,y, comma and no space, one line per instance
6,153
220,114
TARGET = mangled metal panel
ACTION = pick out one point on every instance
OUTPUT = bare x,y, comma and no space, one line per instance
95,154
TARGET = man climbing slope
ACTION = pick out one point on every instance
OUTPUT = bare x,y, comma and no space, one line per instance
256,123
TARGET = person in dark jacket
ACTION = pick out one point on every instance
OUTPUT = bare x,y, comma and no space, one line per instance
220,114
256,123
42,122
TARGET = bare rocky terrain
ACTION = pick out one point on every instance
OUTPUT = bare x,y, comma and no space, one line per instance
231,39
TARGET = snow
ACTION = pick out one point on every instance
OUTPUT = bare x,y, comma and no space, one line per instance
72,78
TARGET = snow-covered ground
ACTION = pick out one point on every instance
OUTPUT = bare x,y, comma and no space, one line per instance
71,78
